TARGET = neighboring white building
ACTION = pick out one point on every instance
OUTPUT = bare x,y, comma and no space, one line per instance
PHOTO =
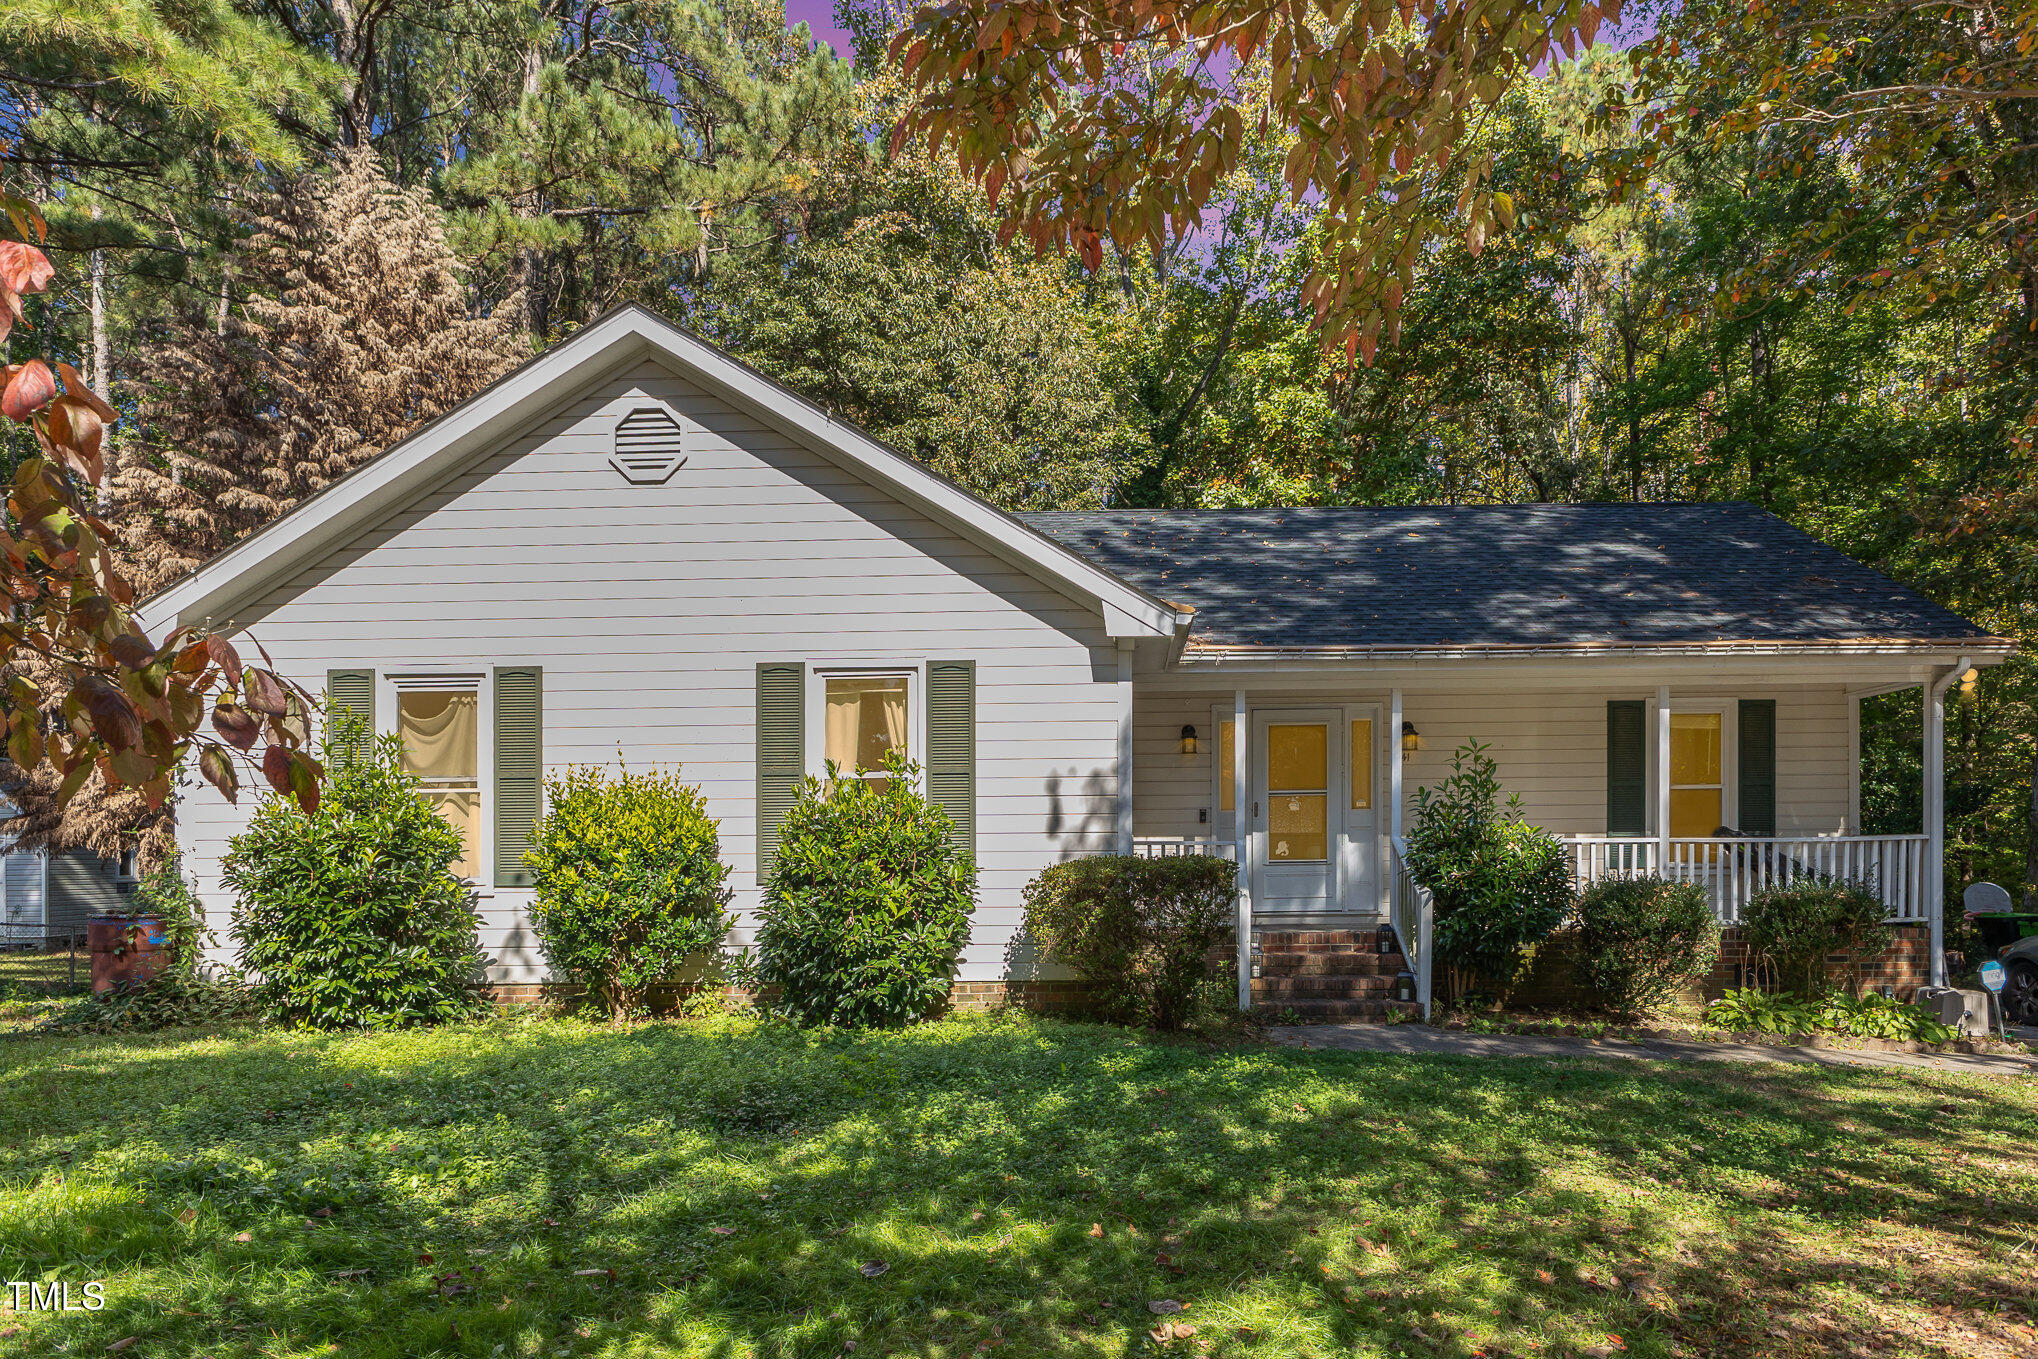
635,545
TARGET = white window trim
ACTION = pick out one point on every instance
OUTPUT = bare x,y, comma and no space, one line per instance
1729,710
390,684
821,670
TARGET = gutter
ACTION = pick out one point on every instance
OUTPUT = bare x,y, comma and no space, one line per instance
1990,649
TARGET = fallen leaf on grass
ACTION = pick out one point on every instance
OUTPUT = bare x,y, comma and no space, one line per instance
1096,1229
870,1269
591,1273
1544,1276
1172,1330
1165,1307
117,1346
348,1273
245,1236
188,1215
723,1231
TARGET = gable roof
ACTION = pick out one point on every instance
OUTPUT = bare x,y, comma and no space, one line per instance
1508,576
546,382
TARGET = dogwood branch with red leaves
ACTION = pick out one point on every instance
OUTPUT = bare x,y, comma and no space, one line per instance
132,708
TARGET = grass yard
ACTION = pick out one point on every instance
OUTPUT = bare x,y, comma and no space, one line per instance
996,1188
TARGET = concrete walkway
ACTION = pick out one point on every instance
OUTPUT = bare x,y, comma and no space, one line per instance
1422,1040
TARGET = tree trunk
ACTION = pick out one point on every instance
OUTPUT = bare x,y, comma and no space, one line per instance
102,351
531,260
2031,837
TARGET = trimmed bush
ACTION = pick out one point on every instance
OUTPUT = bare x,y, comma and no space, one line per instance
1140,931
351,917
1498,885
630,884
1642,939
867,904
1796,927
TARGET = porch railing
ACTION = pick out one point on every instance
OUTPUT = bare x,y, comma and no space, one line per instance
1172,846
1411,914
1733,869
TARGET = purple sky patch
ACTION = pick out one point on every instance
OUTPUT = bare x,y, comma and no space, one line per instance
819,15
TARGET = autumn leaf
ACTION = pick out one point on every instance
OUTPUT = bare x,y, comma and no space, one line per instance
235,724
30,387
23,268
265,693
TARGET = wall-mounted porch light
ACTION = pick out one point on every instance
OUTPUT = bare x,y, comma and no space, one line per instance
1188,740
1411,740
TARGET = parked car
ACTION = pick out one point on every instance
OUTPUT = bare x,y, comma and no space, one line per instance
2020,988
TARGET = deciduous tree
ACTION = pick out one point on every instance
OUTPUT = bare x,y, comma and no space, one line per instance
1116,120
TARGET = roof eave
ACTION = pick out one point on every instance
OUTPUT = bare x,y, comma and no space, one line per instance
1987,650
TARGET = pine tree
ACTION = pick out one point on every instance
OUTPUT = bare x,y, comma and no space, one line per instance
355,330
638,143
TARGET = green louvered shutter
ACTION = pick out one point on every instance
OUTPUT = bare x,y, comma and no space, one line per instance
952,746
1627,767
519,768
781,750
353,692
1757,749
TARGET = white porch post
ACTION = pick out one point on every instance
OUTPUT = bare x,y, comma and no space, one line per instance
1935,815
1241,832
1663,780
1125,745
1394,764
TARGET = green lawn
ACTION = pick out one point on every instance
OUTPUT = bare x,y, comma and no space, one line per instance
997,1188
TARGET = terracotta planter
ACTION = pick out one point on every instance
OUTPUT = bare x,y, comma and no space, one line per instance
126,951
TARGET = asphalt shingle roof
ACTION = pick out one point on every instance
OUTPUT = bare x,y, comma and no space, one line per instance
1501,575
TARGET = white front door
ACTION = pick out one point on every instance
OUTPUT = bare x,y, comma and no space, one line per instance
1298,809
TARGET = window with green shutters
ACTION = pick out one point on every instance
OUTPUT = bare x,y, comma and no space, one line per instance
519,768
1627,767
952,745
781,750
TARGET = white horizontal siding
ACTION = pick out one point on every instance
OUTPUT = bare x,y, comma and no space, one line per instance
650,606
1550,748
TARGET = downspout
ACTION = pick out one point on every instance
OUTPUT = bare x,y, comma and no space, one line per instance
1935,815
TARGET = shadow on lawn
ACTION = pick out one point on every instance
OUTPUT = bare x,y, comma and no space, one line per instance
1029,1188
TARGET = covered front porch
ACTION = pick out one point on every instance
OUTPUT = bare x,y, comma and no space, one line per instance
1735,782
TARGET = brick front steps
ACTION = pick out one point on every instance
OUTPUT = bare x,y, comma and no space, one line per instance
1329,974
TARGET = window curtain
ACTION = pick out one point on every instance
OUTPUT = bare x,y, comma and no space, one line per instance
440,734
865,720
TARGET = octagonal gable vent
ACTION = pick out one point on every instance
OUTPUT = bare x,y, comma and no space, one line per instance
650,446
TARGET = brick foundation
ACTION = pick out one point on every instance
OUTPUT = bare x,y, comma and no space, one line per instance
1906,966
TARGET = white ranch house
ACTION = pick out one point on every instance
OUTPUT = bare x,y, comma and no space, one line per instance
635,543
